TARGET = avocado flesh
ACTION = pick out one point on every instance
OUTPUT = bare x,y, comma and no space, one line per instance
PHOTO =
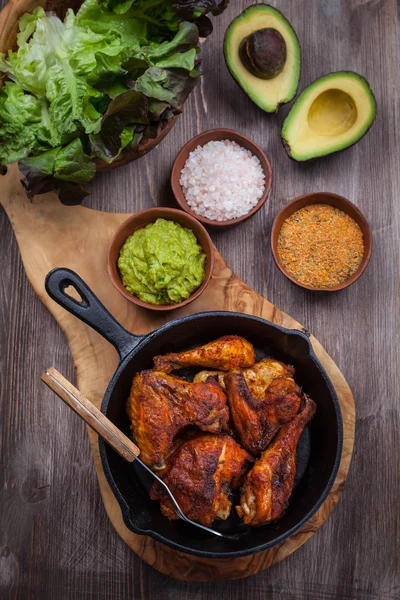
267,94
331,114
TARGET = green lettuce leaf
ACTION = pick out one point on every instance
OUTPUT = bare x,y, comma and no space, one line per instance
126,32
157,14
71,102
129,107
98,81
25,124
167,85
157,108
61,170
72,164
46,66
167,14
181,60
186,36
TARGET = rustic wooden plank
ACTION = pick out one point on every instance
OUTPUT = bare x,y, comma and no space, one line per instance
355,555
60,230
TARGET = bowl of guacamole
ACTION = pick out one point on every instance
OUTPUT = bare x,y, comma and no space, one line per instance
161,259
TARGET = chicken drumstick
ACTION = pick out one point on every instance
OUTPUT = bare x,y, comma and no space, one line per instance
269,485
225,353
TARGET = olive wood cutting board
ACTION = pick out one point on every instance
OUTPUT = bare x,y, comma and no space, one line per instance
52,235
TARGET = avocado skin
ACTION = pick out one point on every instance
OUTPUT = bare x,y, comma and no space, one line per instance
314,158
285,142
243,14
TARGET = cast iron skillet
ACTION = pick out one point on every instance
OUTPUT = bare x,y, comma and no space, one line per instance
319,450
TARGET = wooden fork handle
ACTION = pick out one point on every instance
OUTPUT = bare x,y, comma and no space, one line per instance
90,414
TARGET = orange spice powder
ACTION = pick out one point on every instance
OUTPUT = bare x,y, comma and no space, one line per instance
320,245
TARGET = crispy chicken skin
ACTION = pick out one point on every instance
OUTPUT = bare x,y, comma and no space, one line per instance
258,413
269,485
200,475
202,376
258,377
160,406
224,354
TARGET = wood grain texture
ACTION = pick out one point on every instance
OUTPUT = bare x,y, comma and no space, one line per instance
51,547
90,414
48,236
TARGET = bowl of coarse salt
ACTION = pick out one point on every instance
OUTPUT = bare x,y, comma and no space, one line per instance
221,177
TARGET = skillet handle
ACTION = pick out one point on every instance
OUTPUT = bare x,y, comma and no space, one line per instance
89,309
90,414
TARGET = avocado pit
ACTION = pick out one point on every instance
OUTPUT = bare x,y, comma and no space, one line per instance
263,53
333,112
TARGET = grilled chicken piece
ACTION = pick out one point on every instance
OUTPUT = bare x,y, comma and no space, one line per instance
203,376
258,377
269,485
261,406
224,354
160,406
200,474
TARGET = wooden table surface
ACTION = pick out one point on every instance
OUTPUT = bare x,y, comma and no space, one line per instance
56,542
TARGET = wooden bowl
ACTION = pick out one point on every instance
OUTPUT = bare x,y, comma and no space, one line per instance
9,18
338,202
201,140
141,219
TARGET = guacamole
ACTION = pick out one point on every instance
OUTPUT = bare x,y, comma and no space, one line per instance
162,263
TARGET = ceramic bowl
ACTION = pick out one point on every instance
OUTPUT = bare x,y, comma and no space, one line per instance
338,202
201,140
141,219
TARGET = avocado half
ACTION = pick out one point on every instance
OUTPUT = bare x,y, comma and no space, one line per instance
331,114
268,94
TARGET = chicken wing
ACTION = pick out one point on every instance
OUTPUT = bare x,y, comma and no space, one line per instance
160,406
269,485
260,401
225,353
200,475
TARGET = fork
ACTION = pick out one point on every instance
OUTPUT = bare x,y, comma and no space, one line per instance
109,432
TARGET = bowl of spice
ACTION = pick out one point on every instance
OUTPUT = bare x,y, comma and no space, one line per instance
221,177
161,259
321,242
